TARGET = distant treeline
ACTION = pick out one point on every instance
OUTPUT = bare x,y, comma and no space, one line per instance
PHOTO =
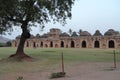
7,44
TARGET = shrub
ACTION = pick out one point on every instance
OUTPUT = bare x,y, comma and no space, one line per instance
58,75
2,44
8,44
20,78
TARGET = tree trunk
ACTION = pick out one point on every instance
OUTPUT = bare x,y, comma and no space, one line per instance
20,49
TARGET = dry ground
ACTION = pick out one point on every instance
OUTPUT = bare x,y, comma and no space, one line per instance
78,71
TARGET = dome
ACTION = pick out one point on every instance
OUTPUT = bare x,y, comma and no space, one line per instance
74,34
18,37
64,34
111,32
44,36
85,33
97,33
32,36
37,36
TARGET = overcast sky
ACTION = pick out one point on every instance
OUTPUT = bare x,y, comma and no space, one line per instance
88,15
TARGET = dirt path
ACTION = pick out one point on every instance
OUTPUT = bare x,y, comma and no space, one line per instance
79,71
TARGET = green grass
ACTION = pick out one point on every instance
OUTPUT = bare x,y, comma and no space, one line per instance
2,44
47,58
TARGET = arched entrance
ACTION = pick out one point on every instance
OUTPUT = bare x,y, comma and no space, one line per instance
51,44
46,45
34,44
83,44
62,44
27,44
96,44
56,45
72,44
41,44
111,44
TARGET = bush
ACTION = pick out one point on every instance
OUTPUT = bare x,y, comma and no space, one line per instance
2,44
58,75
20,78
8,44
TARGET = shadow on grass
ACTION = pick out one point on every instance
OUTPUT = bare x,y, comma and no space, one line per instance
48,51
110,69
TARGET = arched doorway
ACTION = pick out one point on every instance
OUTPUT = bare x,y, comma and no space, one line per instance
56,45
96,44
62,44
51,44
46,45
34,44
66,46
41,44
15,44
27,44
83,44
72,44
111,44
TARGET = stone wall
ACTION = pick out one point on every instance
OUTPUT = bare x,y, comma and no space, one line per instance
54,40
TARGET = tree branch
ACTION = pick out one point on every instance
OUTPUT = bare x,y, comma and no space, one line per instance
15,20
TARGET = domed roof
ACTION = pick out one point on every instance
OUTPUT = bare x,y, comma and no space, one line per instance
74,34
32,36
85,33
44,36
37,35
64,34
111,32
18,37
97,33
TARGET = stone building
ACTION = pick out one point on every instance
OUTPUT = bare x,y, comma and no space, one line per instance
56,39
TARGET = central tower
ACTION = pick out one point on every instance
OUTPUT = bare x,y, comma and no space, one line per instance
54,33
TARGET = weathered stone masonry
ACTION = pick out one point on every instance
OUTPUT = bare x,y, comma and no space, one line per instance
56,39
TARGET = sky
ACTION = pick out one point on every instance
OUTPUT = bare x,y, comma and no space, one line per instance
88,15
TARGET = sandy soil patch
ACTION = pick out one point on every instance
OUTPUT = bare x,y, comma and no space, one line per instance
78,71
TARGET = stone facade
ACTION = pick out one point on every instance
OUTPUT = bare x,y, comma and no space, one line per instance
56,39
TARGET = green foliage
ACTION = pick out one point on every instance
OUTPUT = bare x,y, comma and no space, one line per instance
8,44
27,13
17,12
70,32
2,44
20,78
58,75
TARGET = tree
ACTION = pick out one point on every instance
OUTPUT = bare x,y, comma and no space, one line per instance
8,43
70,32
79,32
26,13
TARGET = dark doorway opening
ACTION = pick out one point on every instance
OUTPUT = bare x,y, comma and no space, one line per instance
96,44
46,45
51,44
56,45
72,44
27,44
34,44
111,44
83,44
62,44
41,44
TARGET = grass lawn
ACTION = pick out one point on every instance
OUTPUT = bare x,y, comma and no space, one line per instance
50,57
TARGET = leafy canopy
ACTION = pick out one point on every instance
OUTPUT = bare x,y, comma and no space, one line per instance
16,12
